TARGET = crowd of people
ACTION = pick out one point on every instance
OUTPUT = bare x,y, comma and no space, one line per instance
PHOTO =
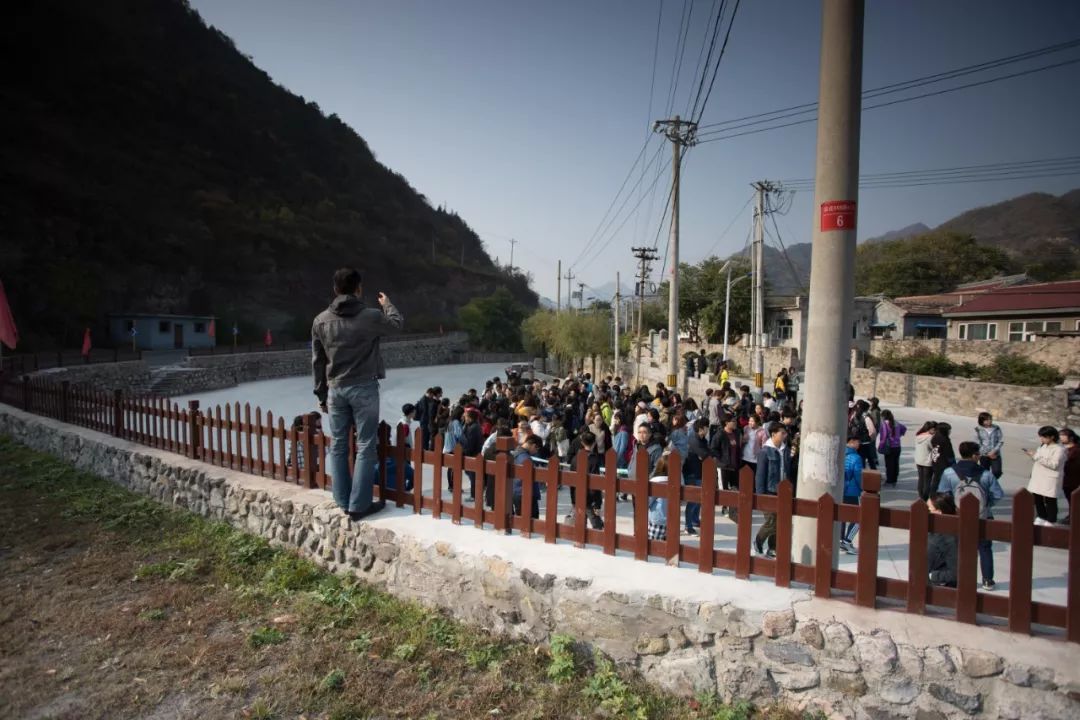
552,421
563,421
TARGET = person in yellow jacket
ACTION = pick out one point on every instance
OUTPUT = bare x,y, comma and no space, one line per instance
780,384
724,376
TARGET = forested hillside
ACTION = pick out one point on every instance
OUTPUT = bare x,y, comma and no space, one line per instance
148,165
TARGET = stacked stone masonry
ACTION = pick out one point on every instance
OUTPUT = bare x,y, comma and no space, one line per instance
735,638
1062,353
1007,403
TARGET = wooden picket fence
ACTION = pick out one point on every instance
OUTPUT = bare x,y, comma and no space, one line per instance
249,441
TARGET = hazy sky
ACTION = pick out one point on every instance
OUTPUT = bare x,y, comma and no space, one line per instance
524,117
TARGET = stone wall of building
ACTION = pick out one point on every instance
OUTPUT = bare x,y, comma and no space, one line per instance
1062,353
684,631
1007,403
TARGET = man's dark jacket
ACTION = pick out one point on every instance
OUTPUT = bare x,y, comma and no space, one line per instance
345,343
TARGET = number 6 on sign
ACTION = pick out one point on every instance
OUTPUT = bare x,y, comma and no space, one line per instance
837,215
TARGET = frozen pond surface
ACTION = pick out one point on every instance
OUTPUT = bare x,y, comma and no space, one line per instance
289,397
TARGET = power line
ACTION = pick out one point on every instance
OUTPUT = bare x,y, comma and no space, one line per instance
908,84
676,61
692,111
1070,159
730,225
600,227
716,68
787,258
652,87
723,134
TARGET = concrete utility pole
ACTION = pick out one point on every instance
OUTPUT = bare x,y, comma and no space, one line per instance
558,288
681,134
581,296
832,269
758,336
569,289
645,256
512,244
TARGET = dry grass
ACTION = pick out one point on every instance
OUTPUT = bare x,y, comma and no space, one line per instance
115,607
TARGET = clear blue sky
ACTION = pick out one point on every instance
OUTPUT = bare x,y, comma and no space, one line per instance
524,117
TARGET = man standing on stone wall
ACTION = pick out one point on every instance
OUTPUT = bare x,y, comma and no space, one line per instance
347,367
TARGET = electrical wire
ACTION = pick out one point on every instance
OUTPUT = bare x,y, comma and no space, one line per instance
908,84
731,224
692,111
598,231
676,60
723,134
719,57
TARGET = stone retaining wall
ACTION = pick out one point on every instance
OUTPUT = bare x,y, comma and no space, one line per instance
683,631
1008,403
1062,353
106,376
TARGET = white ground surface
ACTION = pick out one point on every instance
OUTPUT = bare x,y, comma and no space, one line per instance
291,396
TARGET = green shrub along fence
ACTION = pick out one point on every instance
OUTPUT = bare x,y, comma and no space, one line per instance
1005,369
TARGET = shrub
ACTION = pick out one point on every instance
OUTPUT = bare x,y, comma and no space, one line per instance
563,665
266,636
1016,370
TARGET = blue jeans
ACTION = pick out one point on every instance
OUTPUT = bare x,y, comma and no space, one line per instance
848,531
693,510
355,405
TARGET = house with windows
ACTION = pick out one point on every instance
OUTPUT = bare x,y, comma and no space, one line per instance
921,316
1017,313
787,320
150,331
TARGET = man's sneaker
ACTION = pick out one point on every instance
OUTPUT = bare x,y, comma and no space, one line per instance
1043,522
770,553
849,549
568,520
988,584
691,531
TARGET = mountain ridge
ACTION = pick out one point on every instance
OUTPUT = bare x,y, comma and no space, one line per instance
150,166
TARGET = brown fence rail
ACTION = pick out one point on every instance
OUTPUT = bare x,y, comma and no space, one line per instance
246,440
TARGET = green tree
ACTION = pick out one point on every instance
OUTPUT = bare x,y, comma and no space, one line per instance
702,297
930,263
494,322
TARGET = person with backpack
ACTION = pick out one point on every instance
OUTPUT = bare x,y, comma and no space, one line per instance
853,467
923,465
968,477
991,440
891,430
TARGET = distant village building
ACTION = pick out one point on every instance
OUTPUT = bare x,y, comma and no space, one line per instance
161,332
1018,313
922,316
787,320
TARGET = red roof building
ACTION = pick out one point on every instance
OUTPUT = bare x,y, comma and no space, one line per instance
1018,313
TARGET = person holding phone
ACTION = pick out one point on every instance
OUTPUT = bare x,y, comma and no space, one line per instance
347,367
1047,474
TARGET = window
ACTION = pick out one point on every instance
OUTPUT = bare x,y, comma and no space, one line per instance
200,327
1016,332
978,331
1053,327
130,325
1026,331
164,326
784,329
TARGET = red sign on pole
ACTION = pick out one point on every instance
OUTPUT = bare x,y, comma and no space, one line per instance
837,215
